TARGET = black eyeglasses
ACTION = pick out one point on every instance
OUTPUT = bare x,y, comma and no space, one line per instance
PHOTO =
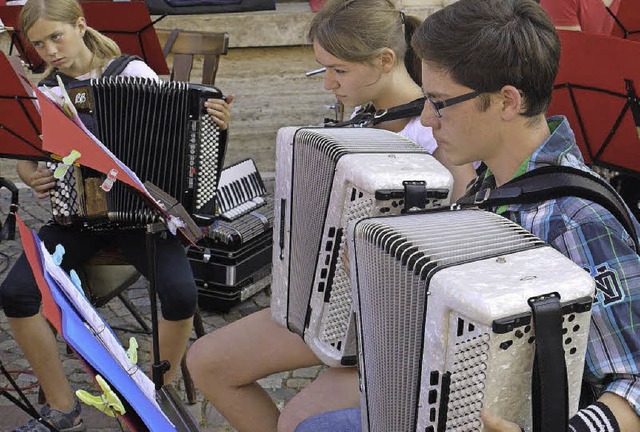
437,106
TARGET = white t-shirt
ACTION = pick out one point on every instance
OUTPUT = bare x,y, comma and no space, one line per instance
417,133
135,68
421,135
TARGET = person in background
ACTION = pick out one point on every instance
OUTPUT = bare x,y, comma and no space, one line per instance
582,15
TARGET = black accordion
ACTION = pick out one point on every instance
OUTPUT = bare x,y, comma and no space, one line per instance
160,131
233,260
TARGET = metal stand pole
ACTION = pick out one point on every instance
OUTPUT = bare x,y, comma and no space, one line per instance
159,367
171,404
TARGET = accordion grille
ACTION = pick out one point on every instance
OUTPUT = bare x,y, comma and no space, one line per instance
340,307
313,168
401,254
160,132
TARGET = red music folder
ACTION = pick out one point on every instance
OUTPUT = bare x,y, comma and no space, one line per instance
597,90
627,20
127,23
61,135
20,127
50,309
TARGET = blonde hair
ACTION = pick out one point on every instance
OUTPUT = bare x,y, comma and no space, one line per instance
68,11
358,30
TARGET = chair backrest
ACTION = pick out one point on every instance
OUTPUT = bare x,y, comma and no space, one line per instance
185,46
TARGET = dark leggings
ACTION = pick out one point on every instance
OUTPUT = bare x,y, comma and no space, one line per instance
20,296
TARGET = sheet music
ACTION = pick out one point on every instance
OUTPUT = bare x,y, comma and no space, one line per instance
98,327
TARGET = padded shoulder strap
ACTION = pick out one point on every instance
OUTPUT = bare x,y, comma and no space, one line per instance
116,67
51,80
552,182
370,117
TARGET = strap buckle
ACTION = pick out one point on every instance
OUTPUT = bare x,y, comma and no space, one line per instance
380,113
365,121
481,196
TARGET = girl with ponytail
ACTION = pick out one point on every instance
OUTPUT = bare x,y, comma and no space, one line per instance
370,64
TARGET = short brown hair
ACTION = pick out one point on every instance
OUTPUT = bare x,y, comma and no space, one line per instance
487,44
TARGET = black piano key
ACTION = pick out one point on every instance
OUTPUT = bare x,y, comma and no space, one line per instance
237,197
239,190
224,204
247,186
254,179
227,197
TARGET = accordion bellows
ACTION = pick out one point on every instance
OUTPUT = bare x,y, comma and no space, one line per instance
326,177
161,131
444,327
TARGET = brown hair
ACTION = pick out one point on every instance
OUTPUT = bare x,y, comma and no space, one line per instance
68,11
358,30
487,44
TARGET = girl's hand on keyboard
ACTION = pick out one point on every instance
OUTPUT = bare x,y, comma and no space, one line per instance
220,111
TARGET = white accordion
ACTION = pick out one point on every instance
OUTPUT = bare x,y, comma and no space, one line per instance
325,178
444,324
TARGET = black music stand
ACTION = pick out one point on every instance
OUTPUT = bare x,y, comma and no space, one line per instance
167,398
20,125
21,401
627,20
596,89
128,23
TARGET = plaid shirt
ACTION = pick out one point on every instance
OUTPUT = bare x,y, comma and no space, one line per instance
593,238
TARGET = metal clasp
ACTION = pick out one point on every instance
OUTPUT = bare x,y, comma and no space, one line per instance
478,199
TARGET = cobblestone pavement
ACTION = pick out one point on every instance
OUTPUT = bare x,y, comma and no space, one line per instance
34,212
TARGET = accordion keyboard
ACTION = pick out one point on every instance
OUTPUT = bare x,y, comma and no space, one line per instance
240,190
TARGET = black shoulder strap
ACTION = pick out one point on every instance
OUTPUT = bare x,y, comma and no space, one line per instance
549,385
552,182
51,80
367,118
116,67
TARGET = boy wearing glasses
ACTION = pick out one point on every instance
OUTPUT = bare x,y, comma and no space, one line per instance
488,68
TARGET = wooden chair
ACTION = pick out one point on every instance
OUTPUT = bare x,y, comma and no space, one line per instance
106,275
185,46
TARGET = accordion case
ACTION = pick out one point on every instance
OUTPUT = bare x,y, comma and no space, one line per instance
233,260
325,178
162,133
444,324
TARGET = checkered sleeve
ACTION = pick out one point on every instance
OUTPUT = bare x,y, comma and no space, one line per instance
602,247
